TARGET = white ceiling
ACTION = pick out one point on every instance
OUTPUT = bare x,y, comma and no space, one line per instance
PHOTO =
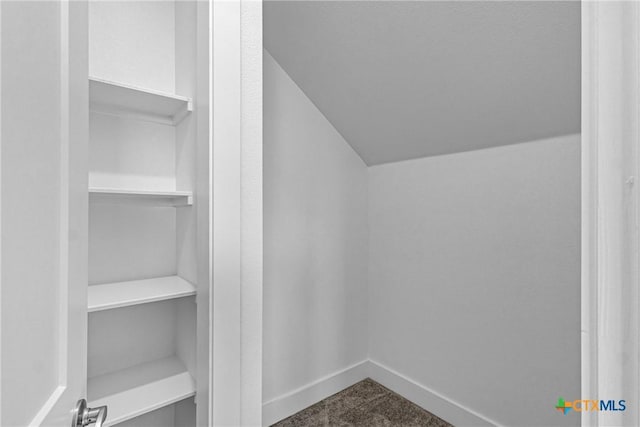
402,79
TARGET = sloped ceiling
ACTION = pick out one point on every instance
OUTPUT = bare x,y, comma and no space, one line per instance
402,79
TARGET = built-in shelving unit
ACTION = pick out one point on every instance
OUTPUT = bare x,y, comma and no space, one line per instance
123,294
140,389
159,198
146,260
139,103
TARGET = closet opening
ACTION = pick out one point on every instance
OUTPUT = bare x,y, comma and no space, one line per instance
421,212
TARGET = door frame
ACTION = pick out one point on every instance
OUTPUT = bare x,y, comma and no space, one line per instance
610,208
236,253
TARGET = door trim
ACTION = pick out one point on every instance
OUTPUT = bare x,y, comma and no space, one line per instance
610,208
236,297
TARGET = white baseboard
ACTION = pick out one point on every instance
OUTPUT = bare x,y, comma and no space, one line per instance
431,400
444,407
288,404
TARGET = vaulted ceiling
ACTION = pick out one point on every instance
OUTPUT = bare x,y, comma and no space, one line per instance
408,79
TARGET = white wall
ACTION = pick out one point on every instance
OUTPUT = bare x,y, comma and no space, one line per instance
315,237
474,277
133,42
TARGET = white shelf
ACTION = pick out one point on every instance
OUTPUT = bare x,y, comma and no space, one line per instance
140,389
138,103
124,294
156,198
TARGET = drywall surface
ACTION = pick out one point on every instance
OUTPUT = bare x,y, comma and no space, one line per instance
474,276
131,242
126,153
315,242
133,42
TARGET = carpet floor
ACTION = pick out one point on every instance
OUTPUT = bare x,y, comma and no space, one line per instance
365,404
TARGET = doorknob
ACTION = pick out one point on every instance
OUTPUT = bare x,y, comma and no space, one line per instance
83,416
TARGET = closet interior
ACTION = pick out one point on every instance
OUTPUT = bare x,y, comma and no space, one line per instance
148,267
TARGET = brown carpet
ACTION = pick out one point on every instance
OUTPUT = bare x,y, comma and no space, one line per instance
365,404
